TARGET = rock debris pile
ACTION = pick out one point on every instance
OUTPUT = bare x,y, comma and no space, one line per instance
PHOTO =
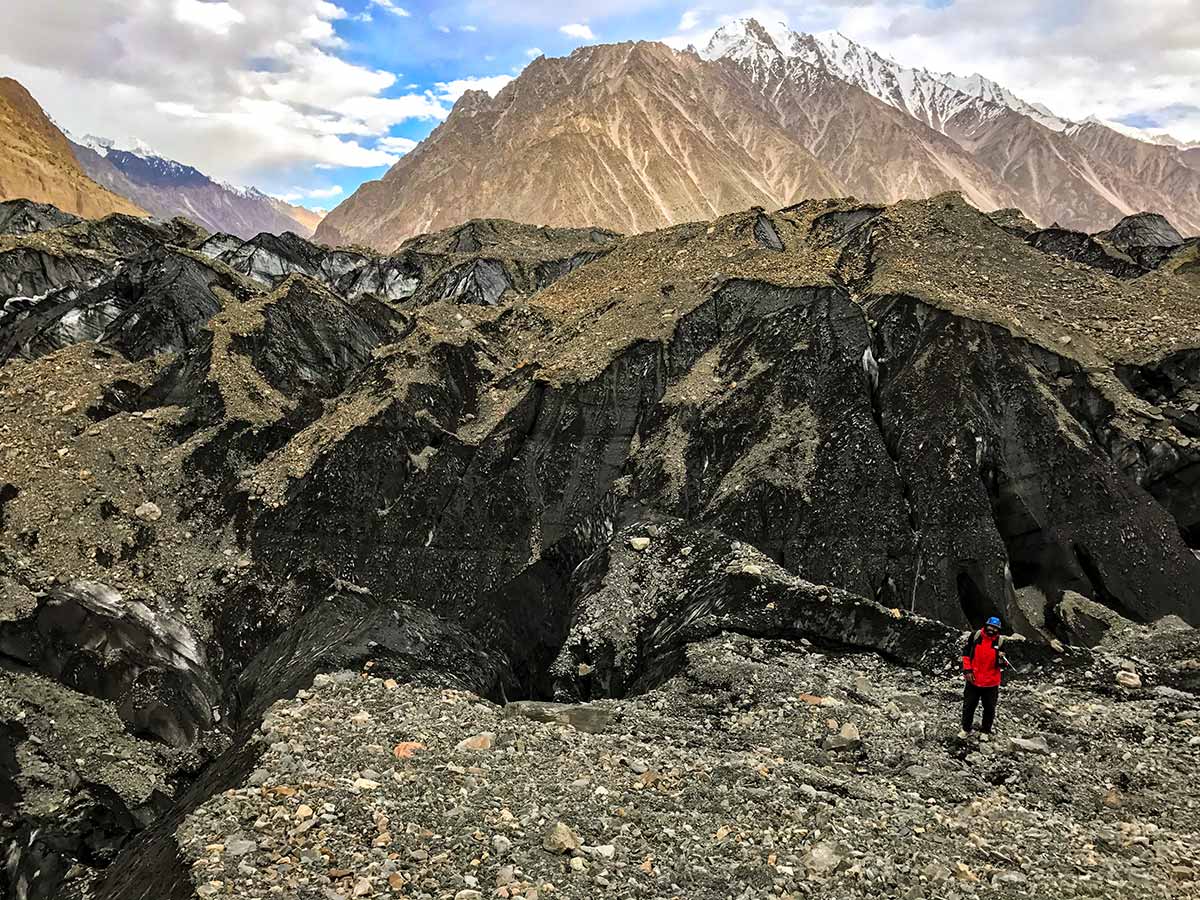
538,562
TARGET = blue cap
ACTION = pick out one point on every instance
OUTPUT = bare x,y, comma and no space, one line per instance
993,621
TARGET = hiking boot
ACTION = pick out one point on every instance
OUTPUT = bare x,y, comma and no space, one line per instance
963,735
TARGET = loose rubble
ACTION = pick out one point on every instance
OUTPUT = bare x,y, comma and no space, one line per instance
742,485
727,781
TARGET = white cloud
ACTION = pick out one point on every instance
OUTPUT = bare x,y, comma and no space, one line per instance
444,29
397,145
215,17
583,32
325,193
296,194
533,52
467,28
689,20
391,7
268,94
450,91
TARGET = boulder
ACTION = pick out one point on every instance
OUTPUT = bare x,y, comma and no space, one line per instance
1086,623
581,717
559,838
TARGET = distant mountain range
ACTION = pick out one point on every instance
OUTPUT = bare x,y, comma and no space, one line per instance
36,162
92,177
637,136
166,188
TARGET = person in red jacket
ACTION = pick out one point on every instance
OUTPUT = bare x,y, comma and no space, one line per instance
981,661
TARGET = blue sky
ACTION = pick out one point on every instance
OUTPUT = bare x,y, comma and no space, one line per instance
307,99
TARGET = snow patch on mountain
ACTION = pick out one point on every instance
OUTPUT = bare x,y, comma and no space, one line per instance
935,98
248,192
104,145
986,89
917,92
750,44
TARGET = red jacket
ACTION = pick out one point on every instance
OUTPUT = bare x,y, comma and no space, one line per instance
981,657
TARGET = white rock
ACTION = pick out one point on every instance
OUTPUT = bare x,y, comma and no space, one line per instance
1129,679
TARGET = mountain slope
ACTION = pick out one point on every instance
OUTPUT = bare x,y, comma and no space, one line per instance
1146,135
637,136
307,219
1087,176
167,188
627,136
1150,176
36,161
877,149
989,91
1083,176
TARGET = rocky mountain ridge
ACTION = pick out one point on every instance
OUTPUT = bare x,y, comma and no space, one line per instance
632,475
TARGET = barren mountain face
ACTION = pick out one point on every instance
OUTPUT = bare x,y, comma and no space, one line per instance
36,162
629,137
634,137
878,153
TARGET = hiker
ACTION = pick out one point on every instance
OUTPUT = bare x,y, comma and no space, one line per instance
981,661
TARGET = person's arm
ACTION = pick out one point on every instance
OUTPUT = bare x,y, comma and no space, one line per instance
968,653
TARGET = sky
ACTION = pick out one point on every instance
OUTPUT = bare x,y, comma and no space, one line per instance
306,99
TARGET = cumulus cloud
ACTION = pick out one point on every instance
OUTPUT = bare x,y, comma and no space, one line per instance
533,52
552,15
215,17
240,90
391,7
297,194
581,31
450,91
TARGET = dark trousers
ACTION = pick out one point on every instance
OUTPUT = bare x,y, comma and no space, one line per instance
971,697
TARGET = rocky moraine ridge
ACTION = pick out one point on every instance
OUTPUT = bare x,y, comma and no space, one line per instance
539,563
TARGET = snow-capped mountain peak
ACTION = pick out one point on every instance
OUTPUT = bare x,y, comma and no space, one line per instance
917,92
247,191
747,42
105,145
934,98
977,85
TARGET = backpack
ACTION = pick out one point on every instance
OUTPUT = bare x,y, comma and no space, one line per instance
975,639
